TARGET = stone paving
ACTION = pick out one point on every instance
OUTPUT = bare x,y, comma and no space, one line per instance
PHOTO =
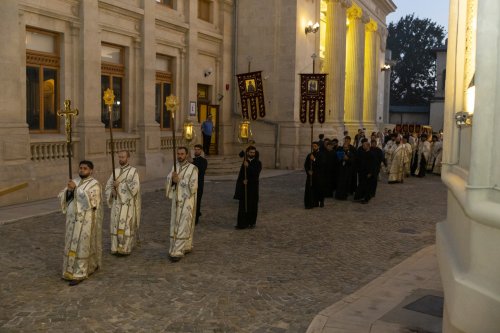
274,278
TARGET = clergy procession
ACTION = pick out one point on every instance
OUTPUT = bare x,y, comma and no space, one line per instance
353,168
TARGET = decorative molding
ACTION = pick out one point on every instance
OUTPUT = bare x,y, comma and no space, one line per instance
163,76
35,58
371,26
113,69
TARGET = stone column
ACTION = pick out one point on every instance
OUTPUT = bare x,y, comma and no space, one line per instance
90,129
14,134
353,107
335,56
371,76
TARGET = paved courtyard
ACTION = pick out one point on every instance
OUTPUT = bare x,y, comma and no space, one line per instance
274,278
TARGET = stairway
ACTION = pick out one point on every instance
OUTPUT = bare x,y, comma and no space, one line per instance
219,165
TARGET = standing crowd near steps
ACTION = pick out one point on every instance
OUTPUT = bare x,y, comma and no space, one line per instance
339,169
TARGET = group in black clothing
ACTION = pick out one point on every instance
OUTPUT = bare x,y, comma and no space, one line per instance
334,171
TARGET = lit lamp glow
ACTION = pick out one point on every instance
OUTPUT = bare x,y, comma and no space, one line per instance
187,132
244,133
171,103
310,27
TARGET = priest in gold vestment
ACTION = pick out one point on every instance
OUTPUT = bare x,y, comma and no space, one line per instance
181,188
81,202
123,196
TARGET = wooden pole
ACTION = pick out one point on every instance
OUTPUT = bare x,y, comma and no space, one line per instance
111,142
109,100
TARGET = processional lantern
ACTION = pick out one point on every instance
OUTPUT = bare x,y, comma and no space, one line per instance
172,103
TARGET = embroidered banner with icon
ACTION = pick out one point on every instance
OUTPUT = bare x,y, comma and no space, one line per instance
312,97
252,95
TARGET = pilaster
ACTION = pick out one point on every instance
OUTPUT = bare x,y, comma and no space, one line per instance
354,68
371,75
335,57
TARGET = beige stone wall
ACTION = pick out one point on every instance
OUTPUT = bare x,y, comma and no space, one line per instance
144,29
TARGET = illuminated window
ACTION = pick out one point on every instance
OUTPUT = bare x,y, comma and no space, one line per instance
163,88
205,10
42,81
112,76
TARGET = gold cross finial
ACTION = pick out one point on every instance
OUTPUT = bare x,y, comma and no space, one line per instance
109,97
67,113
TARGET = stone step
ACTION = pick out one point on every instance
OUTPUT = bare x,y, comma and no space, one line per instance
223,165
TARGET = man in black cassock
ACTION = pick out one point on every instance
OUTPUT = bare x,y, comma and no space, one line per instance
380,158
247,216
314,193
201,163
330,172
346,172
366,166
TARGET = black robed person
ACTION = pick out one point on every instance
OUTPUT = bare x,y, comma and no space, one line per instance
346,172
201,163
314,193
366,168
247,216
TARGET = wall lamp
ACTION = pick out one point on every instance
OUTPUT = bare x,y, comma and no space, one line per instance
310,27
464,118
385,68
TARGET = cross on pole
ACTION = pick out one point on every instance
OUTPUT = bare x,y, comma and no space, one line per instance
67,113
171,103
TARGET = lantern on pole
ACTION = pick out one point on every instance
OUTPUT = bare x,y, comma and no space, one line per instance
171,103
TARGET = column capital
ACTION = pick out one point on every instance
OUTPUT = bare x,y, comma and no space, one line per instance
354,12
371,26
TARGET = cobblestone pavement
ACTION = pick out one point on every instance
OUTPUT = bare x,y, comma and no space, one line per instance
274,278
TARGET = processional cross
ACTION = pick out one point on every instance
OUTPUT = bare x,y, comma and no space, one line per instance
109,100
67,113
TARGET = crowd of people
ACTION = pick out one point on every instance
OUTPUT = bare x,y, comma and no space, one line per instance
354,167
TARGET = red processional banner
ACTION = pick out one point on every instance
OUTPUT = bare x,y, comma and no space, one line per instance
312,97
252,95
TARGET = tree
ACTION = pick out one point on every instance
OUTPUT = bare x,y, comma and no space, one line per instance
413,77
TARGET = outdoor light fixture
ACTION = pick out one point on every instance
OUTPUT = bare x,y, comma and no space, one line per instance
312,27
463,119
187,132
244,131
385,68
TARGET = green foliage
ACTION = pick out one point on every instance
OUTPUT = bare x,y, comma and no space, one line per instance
413,77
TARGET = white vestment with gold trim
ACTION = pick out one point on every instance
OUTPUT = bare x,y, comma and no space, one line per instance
83,241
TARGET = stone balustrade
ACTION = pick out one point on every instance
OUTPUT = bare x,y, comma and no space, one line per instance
167,142
128,143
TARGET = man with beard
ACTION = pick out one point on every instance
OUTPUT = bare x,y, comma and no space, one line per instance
181,187
201,163
314,191
81,202
247,189
123,196
379,158
366,167
346,172
424,152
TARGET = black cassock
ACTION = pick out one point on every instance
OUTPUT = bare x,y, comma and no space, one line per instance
330,173
248,218
314,193
201,163
346,172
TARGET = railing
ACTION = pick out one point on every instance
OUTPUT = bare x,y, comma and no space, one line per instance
45,151
120,144
166,142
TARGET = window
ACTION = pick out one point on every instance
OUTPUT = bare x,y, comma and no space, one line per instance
168,3
205,10
112,75
163,88
42,81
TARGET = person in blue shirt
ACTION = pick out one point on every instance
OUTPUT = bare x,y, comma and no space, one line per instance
207,128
